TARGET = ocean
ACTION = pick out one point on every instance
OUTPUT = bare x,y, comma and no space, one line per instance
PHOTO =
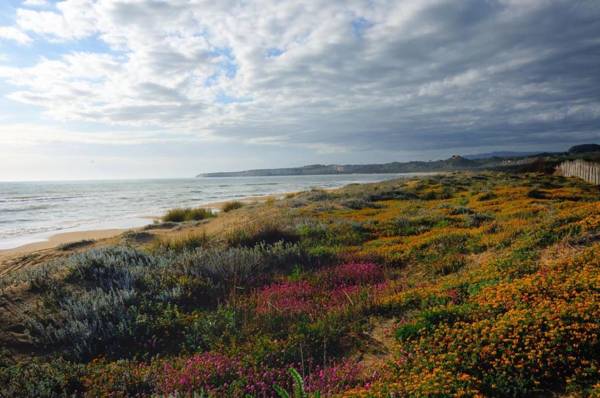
34,211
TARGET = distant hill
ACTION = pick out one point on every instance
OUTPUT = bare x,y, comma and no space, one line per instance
454,163
505,154
506,161
585,148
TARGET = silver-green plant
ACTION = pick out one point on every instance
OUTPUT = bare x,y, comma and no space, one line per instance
84,321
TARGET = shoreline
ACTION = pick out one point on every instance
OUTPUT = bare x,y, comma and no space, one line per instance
54,240
59,238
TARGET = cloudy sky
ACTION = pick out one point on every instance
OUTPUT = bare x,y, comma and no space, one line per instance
152,88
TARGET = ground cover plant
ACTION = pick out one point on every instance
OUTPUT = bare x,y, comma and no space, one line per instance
448,285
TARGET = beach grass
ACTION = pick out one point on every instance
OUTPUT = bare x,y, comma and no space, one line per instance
232,205
187,214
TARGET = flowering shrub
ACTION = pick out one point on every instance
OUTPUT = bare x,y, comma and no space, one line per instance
211,372
351,274
524,337
221,375
287,297
331,289
335,378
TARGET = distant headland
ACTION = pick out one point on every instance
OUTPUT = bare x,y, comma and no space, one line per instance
493,160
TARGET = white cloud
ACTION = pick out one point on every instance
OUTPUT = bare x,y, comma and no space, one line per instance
384,74
74,19
14,34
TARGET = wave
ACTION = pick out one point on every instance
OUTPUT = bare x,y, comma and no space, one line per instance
24,209
33,209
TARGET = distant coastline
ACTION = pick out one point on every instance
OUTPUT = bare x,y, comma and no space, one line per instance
501,161
455,163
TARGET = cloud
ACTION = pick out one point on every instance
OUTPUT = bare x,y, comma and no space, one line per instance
74,19
28,135
331,76
14,34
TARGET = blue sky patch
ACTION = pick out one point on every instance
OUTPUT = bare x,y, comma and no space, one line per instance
274,52
360,26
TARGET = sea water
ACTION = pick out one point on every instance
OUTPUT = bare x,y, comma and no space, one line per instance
34,211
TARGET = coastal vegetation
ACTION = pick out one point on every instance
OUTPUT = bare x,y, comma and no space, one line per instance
232,205
187,214
449,285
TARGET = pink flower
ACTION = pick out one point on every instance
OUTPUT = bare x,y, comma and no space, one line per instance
353,274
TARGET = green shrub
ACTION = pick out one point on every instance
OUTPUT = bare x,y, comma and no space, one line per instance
487,196
309,231
389,193
340,232
359,203
37,378
451,243
404,226
460,210
210,330
408,331
317,195
536,194
76,245
446,314
323,254
187,214
261,233
477,219
182,242
233,205
519,262
428,319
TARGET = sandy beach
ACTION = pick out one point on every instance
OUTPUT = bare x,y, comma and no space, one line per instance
59,239
99,234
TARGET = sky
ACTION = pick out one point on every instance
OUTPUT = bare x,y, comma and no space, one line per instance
149,88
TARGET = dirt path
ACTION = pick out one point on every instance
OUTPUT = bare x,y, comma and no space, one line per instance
381,346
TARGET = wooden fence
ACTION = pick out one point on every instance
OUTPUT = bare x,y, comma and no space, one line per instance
588,171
